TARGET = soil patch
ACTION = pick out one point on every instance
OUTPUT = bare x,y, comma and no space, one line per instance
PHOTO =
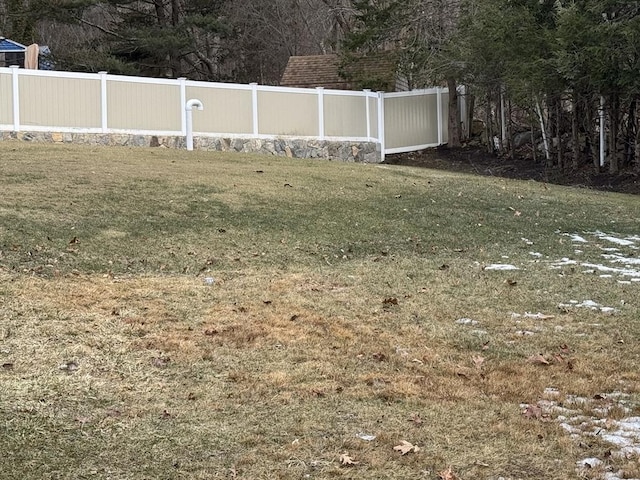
477,161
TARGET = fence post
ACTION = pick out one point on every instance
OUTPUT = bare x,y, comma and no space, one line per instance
367,112
381,133
183,101
254,108
104,114
320,91
439,103
15,87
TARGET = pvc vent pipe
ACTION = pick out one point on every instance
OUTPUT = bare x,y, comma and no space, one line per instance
189,106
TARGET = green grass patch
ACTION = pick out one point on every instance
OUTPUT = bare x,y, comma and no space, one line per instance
168,314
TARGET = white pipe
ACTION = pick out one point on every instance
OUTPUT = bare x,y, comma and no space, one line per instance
189,106
602,132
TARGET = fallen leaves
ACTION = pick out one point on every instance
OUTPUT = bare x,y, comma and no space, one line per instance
415,419
532,412
447,474
538,359
406,447
478,361
347,460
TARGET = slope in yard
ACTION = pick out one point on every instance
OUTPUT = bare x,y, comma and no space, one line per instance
193,315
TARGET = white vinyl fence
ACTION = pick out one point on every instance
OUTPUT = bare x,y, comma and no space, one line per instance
35,100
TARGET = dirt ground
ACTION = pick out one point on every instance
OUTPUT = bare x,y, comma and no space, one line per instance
477,161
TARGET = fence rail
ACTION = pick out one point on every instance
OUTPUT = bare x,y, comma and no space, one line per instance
35,100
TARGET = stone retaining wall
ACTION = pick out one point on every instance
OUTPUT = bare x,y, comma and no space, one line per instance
283,147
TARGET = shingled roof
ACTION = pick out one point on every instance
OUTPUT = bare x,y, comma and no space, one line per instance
312,71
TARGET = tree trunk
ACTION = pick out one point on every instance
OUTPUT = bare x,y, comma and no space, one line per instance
471,104
551,128
629,134
488,128
637,140
560,151
510,133
575,139
614,117
593,127
454,114
500,119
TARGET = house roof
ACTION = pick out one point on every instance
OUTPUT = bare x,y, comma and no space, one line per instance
7,45
327,71
313,71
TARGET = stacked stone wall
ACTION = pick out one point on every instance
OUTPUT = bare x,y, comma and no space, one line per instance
284,147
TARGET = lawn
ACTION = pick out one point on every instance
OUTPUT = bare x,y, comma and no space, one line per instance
197,315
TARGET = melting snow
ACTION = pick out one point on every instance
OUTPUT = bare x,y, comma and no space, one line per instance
576,238
623,435
629,262
467,321
501,266
590,304
562,262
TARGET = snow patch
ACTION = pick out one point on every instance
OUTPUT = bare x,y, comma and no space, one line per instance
590,304
501,266
467,321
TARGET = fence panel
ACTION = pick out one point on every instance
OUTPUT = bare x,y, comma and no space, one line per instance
226,109
59,101
373,116
345,115
410,121
289,112
50,101
6,99
144,105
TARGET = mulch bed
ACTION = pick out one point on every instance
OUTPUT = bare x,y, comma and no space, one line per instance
477,161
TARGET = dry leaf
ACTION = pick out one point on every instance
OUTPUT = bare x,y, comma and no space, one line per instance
447,474
346,459
478,361
406,447
532,411
538,359
415,419
160,362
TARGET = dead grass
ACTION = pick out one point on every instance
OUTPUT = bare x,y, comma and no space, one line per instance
334,311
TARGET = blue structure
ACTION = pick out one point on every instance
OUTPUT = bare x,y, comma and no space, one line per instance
11,53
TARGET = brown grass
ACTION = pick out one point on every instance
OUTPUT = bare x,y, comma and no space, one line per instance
310,334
